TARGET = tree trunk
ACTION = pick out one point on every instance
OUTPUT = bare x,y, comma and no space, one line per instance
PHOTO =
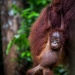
9,27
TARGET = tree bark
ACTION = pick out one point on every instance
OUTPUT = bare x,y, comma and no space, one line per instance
9,27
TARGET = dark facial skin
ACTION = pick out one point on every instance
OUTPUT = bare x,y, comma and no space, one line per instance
55,40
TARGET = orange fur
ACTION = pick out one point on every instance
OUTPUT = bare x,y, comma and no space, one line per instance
40,31
47,47
48,58
41,28
38,34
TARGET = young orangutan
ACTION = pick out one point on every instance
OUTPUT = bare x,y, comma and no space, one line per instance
50,56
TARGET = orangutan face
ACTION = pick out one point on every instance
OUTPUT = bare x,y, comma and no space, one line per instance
56,40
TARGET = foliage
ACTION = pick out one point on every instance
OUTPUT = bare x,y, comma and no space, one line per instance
60,70
28,16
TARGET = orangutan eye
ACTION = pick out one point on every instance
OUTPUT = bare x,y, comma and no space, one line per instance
52,39
57,40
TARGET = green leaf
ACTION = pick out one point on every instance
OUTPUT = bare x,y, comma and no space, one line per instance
28,54
33,14
23,55
17,36
9,47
